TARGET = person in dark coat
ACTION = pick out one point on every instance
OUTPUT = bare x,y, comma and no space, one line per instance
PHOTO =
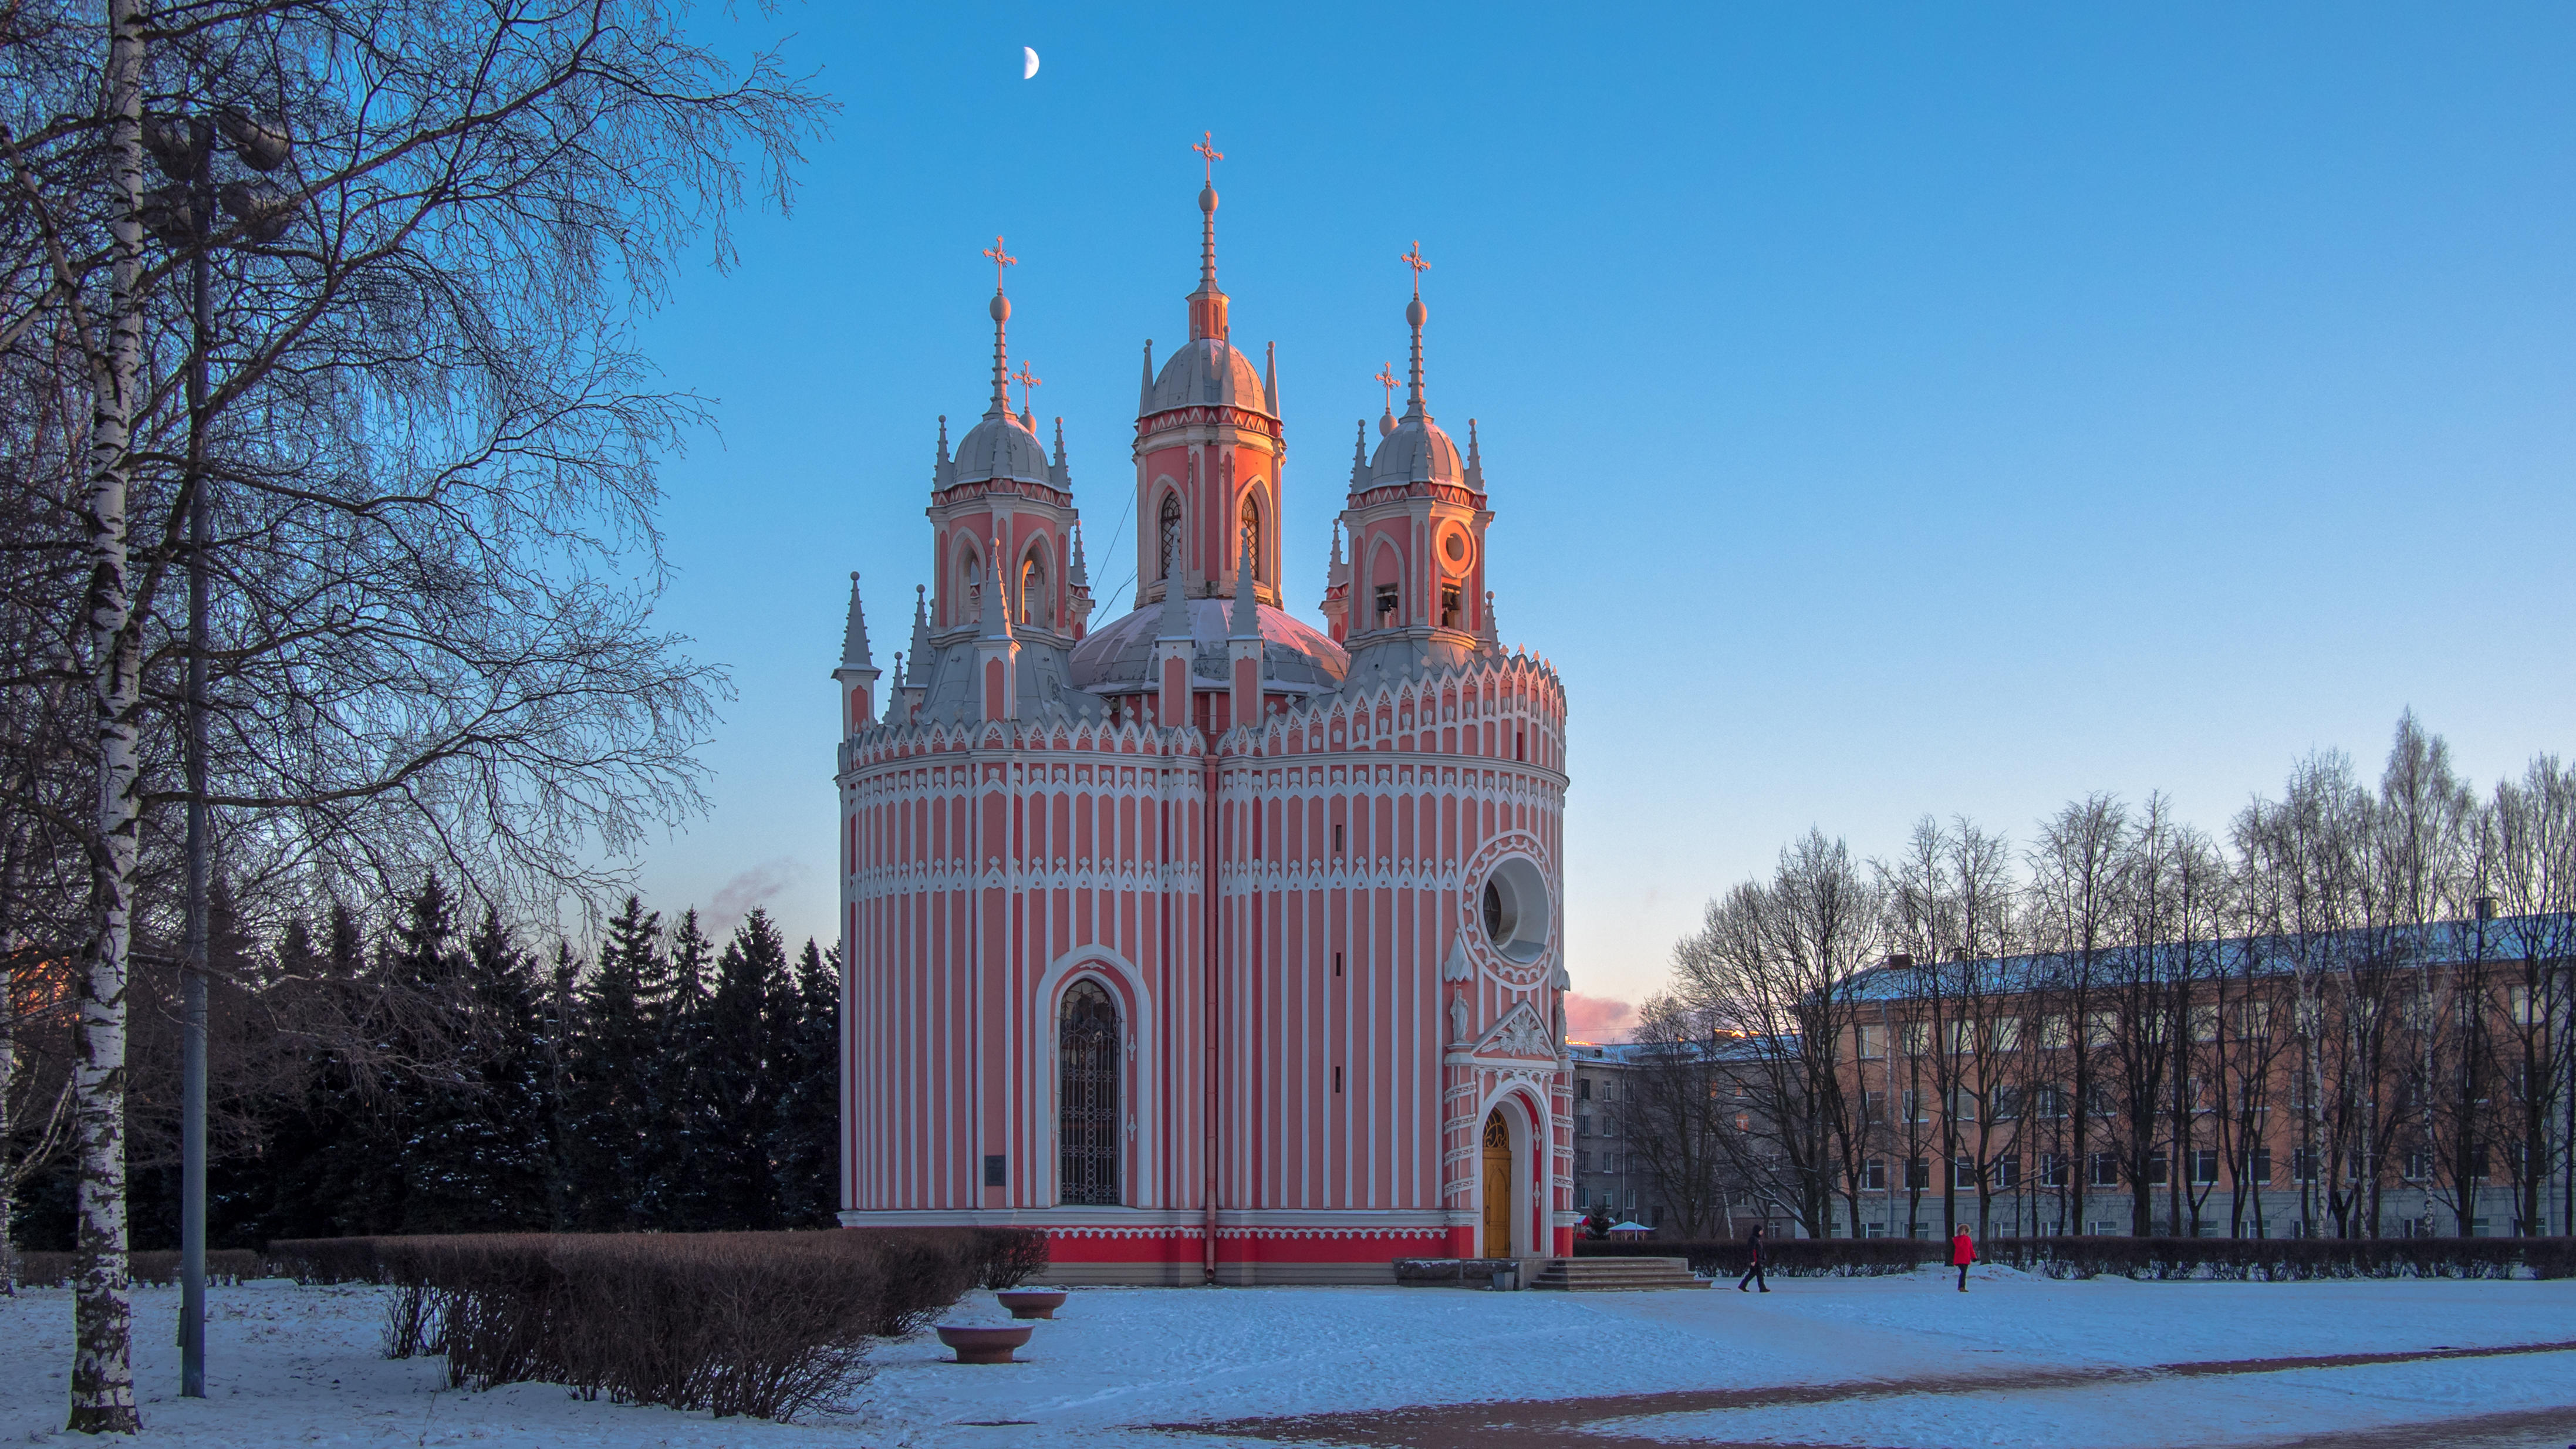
1963,1251
1753,1249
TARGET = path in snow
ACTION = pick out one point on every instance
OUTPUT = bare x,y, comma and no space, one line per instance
1867,1362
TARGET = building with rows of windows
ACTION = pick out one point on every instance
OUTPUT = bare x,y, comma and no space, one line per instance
1219,946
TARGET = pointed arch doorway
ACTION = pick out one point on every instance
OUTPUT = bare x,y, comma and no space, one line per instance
1498,1186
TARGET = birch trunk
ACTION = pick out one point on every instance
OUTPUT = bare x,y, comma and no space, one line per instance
102,1384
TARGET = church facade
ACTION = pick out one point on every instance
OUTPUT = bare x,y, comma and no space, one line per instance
1220,947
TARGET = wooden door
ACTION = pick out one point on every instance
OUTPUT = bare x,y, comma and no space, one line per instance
1498,1187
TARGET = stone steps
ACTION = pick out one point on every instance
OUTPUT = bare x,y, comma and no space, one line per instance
1615,1275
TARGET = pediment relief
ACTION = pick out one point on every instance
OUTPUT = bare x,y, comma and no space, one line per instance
1519,1034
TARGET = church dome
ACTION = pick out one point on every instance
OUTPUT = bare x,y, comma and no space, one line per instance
998,447
1418,451
1293,657
1208,370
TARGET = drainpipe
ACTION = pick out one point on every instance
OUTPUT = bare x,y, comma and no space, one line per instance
1208,906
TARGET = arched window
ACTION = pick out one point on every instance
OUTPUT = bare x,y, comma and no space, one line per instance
1033,593
1250,534
1169,528
970,587
1087,1121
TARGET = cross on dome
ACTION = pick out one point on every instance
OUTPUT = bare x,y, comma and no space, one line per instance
1411,259
1001,259
1206,147
1027,378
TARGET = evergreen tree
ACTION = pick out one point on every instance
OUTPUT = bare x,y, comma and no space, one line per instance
805,1058
738,1079
476,1148
679,1194
614,1138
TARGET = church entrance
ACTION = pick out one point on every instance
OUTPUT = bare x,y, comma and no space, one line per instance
1498,1186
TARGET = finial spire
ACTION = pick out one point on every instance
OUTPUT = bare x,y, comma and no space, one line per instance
1001,310
920,628
854,636
1246,620
1475,460
1207,304
997,609
1386,379
1359,464
1415,314
1145,389
1270,379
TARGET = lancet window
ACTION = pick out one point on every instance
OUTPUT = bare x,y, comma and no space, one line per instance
1168,528
1087,1125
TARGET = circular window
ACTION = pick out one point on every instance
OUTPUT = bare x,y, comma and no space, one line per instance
1456,549
1515,910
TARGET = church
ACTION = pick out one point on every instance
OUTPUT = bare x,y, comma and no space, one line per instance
1220,947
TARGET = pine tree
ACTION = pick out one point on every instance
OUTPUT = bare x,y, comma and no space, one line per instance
476,1146
613,1138
679,1195
805,1060
751,978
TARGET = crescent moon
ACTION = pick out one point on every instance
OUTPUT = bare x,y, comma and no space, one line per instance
1028,62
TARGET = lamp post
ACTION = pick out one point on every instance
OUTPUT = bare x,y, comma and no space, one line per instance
185,150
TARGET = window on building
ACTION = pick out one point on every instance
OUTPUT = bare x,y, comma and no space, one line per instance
1914,1106
1167,527
2259,1168
1583,1089
2158,1169
2100,1028
1963,1105
2052,1169
1918,1172
2007,1104
1249,534
2204,1022
2008,1172
1451,617
2052,1031
1873,1174
1872,1041
2105,1170
1913,1037
1963,1172
2303,1164
2006,1034
1389,604
1873,1105
1087,1124
2204,1165
2419,1165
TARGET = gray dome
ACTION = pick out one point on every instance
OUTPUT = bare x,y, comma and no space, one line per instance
1293,656
1207,371
1417,451
998,447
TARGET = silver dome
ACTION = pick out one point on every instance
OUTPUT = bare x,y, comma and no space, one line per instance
1293,657
1417,451
1208,371
998,447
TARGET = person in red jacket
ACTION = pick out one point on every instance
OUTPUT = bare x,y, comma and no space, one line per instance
1963,1251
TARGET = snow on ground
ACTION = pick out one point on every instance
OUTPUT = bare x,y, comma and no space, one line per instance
297,1366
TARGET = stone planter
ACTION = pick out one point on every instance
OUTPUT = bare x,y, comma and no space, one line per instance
984,1345
1031,1302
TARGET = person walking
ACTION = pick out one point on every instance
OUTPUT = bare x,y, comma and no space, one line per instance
1963,1251
1753,1249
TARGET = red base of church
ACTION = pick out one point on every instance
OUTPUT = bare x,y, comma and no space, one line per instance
1174,1255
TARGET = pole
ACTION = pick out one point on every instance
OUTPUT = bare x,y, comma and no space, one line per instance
192,969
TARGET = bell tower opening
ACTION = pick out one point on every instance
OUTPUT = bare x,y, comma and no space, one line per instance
1087,1119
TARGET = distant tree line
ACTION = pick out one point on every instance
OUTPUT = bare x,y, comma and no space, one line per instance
437,1074
2349,1018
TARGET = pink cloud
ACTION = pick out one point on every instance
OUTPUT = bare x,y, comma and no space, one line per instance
1598,1018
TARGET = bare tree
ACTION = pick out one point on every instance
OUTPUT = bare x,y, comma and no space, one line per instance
2533,874
429,431
1775,967
2075,914
1676,1115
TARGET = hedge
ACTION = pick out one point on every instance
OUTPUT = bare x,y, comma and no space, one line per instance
223,1265
764,1324
2273,1260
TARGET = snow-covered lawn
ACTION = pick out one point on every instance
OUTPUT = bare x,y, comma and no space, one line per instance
303,1366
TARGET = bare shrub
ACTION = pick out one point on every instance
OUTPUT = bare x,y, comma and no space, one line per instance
1011,1256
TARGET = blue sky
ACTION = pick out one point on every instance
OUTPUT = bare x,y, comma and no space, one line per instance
1888,409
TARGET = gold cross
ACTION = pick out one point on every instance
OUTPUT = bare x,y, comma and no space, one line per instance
1001,259
1414,260
1026,379
1386,375
1206,147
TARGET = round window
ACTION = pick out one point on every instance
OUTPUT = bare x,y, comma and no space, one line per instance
1515,910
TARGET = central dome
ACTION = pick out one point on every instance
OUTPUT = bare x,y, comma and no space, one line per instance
998,447
1294,658
1418,451
1208,371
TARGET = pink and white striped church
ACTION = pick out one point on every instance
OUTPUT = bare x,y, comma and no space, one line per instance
1220,947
